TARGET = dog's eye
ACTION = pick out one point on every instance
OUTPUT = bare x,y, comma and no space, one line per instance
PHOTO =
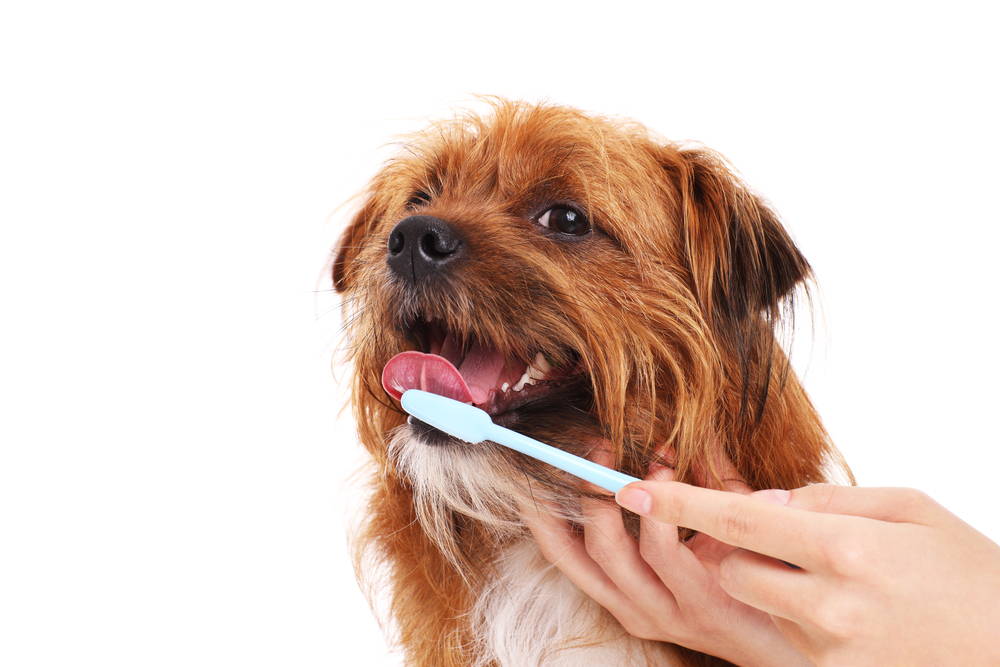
565,220
418,198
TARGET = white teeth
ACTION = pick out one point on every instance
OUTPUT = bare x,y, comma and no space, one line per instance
505,386
536,371
539,368
525,379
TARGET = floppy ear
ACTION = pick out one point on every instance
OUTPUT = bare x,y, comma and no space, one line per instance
744,268
350,244
742,261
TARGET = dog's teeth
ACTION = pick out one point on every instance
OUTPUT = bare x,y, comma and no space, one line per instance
539,368
525,380
505,386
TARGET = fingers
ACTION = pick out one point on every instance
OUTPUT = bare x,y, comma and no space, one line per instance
672,561
769,585
884,504
610,546
658,541
564,549
743,521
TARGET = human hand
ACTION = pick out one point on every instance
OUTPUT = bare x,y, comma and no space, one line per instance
885,576
659,588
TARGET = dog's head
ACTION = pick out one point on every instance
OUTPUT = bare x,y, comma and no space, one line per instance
578,279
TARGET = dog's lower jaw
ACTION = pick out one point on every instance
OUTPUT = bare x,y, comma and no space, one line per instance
528,612
531,614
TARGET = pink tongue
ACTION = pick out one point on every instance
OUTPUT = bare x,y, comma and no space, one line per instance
415,370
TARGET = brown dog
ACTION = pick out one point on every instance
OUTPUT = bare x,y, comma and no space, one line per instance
580,280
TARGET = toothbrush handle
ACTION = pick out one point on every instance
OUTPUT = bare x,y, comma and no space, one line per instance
606,478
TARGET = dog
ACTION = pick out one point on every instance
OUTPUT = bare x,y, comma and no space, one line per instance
582,280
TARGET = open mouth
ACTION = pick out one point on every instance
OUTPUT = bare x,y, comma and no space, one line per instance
473,371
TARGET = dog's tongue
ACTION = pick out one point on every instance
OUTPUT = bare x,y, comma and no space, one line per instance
479,374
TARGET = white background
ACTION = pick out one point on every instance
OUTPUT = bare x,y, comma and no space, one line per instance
173,483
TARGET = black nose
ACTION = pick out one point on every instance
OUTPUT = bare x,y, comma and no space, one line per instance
422,245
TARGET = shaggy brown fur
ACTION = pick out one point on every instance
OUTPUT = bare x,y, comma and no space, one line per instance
669,307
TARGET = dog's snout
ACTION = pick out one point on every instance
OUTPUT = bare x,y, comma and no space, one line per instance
421,245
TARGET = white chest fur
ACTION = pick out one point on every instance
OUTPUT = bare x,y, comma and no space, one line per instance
532,615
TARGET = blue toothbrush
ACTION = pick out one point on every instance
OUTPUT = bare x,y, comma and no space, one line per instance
469,423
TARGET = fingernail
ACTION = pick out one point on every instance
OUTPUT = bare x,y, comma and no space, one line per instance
637,500
776,496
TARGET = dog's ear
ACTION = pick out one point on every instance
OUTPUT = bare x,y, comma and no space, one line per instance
350,243
744,269
742,261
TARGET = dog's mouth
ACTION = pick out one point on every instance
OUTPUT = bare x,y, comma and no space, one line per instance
474,371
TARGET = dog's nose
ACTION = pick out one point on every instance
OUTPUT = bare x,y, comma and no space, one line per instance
421,245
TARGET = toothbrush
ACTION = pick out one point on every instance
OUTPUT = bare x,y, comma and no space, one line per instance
469,423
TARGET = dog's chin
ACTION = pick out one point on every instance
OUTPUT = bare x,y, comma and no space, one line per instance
484,481
454,477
